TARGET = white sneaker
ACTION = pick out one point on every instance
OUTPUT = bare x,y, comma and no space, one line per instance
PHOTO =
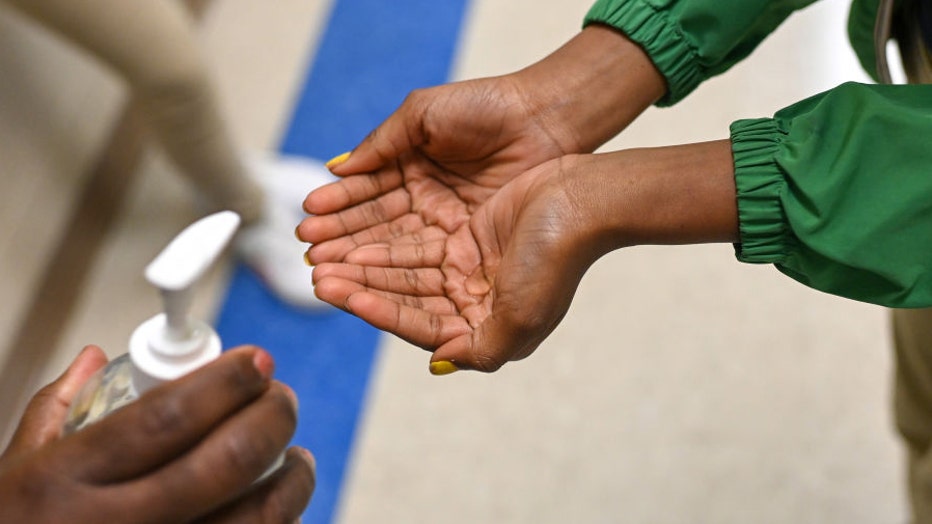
269,246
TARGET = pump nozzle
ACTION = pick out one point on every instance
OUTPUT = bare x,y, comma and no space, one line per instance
170,344
184,261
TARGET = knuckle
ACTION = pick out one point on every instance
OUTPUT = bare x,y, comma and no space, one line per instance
245,454
276,510
416,97
250,452
44,398
284,406
242,375
164,414
292,492
36,488
46,490
47,392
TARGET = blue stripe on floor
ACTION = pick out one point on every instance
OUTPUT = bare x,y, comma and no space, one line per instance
373,52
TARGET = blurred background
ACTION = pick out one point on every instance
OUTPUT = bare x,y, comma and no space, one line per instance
682,387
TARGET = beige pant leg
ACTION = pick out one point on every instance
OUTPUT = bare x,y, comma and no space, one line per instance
912,332
152,44
912,329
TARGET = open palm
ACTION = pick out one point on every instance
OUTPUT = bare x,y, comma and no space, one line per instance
446,151
478,286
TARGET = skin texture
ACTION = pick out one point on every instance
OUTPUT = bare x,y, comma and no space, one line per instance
464,289
175,455
452,147
465,221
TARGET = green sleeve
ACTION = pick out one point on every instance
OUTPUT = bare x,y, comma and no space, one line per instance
836,192
692,40
861,22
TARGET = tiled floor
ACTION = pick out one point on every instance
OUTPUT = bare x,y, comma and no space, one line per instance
681,388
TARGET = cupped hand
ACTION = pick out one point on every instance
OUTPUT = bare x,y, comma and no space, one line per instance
187,451
481,293
443,153
491,288
448,149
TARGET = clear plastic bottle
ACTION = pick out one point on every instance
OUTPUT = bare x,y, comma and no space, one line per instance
106,391
128,376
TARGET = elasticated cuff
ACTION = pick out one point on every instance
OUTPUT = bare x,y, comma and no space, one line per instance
666,46
765,236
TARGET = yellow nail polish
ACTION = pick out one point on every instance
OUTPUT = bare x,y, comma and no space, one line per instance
307,260
337,160
443,367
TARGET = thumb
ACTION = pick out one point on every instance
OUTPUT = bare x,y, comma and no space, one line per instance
486,349
46,411
398,134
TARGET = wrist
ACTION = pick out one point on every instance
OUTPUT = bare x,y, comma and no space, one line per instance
593,87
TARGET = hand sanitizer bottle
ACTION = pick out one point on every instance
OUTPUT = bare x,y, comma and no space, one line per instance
167,345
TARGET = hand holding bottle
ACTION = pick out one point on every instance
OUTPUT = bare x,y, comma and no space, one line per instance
188,450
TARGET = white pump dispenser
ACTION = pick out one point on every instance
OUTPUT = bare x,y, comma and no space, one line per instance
171,343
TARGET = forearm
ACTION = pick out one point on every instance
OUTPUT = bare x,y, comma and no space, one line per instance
632,54
594,86
666,195
833,191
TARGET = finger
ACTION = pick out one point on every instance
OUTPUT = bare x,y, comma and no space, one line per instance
407,255
337,291
351,191
417,325
465,353
399,133
401,227
45,413
280,498
383,209
170,419
421,282
224,464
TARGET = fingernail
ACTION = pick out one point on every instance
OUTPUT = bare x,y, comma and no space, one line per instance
297,233
443,367
307,260
337,160
263,363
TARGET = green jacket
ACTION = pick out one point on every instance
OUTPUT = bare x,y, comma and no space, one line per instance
835,190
